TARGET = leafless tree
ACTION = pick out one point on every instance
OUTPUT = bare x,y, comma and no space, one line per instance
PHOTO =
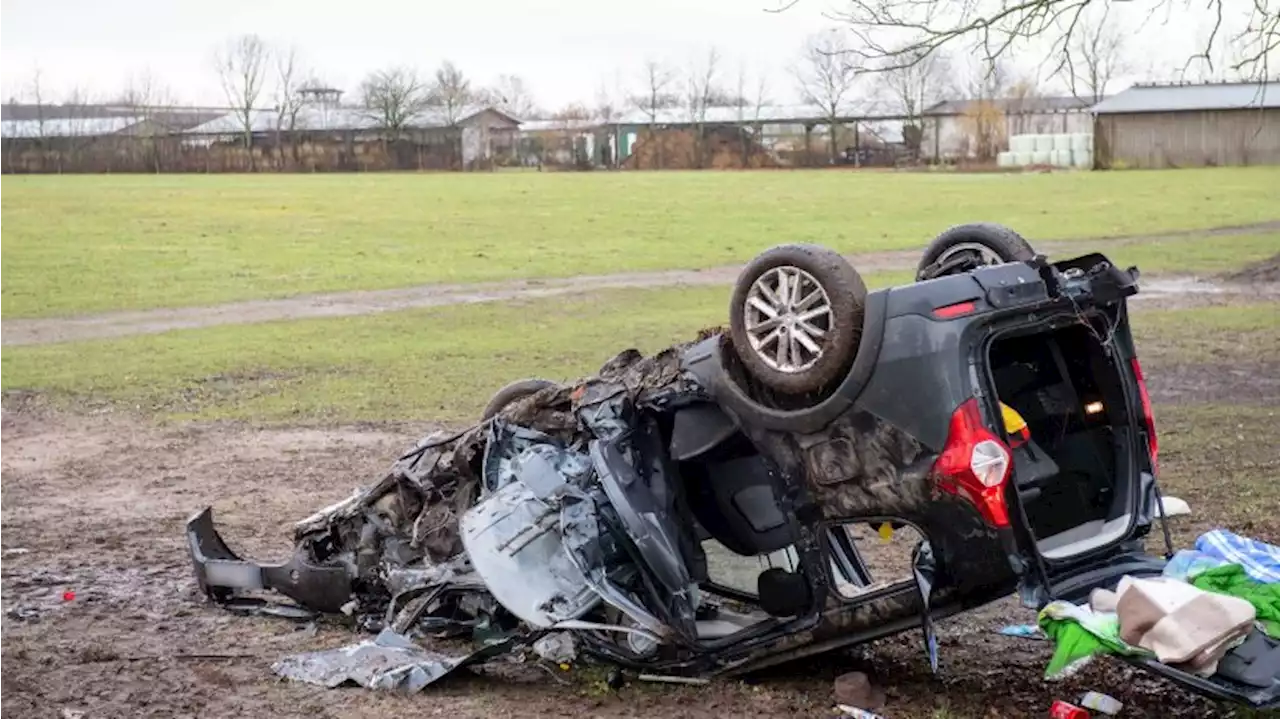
1095,56
750,101
701,94
511,94
893,33
148,100
913,88
392,98
451,92
289,99
36,89
242,69
826,76
655,96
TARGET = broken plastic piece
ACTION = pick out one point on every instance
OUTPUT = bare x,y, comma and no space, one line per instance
557,647
1100,702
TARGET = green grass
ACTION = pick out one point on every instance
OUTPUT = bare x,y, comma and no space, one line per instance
444,363
1193,255
92,243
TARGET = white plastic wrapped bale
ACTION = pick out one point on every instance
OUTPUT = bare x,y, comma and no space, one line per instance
1081,141
1062,143
1041,157
1044,143
1021,143
1082,158
1004,159
1061,158
1021,159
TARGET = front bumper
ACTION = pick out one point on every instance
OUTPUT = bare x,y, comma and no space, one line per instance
223,575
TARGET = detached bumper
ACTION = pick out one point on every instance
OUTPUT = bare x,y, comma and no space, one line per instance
222,575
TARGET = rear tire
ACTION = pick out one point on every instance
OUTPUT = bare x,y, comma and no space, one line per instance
796,317
515,391
981,242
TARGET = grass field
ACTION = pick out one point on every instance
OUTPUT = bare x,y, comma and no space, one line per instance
444,363
82,244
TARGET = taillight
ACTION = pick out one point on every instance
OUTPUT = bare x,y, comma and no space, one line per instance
1153,446
975,464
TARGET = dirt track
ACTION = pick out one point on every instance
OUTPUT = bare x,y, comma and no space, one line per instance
18,332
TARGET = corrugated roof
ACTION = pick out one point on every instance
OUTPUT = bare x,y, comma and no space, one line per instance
1173,98
767,113
1012,104
67,127
336,118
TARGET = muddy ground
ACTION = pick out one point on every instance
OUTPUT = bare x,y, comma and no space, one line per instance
94,504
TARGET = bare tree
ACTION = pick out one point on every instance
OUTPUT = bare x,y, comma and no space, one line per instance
392,98
512,95
750,101
148,100
242,69
289,99
913,88
989,85
826,76
701,94
894,33
451,92
36,88
654,97
1094,57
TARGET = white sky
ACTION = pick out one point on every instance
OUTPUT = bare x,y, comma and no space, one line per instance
566,50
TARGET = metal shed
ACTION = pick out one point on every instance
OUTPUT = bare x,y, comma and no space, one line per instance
1208,125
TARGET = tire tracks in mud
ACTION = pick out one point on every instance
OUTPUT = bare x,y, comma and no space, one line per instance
24,332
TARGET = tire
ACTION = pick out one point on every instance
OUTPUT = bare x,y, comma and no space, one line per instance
840,328
983,242
512,392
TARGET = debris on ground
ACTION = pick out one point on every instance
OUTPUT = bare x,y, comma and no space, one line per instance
1025,631
1100,702
856,713
557,648
1067,710
856,690
1174,507
390,661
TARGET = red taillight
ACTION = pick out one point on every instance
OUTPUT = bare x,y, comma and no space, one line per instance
1152,444
959,309
975,464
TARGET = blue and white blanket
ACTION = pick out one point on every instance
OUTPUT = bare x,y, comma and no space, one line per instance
1261,561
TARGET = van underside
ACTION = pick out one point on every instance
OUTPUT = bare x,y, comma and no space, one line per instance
1075,476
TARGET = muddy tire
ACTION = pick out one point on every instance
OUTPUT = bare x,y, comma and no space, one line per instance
512,392
796,317
979,243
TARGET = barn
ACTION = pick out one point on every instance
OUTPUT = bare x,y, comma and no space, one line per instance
1202,125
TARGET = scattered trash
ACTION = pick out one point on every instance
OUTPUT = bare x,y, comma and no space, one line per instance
68,596
1066,710
18,552
855,689
557,647
390,661
668,679
23,613
1100,702
1174,507
857,713
252,606
73,714
1025,631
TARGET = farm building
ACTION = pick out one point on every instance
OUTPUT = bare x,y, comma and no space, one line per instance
1155,126
93,137
322,138
722,137
980,129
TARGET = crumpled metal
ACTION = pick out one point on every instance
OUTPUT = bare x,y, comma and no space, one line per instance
388,662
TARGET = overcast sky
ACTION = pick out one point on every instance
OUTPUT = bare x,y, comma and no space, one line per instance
565,49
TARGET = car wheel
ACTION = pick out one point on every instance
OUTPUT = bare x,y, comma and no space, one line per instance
964,247
796,317
512,392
